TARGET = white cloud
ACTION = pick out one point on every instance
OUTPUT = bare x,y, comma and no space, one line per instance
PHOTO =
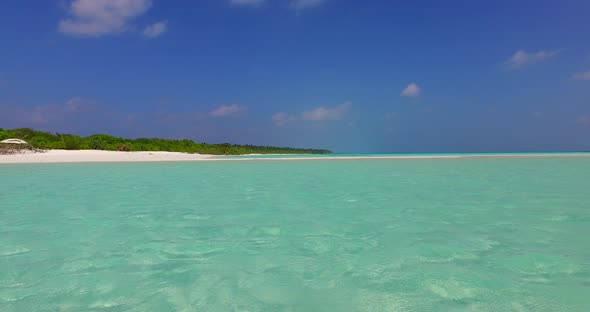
280,119
155,30
94,18
323,113
582,76
522,58
412,90
318,114
299,5
246,3
296,5
227,110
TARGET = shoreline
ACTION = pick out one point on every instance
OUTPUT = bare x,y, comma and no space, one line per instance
88,156
97,156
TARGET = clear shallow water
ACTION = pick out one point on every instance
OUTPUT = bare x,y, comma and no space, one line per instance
320,156
474,234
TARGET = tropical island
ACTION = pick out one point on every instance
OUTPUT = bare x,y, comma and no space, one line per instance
59,141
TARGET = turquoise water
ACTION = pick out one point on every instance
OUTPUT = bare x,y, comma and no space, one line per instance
319,156
473,234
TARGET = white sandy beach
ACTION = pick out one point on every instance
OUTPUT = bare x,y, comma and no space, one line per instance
67,156
81,156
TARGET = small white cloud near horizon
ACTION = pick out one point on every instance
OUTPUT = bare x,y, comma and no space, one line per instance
522,58
95,18
318,114
155,30
227,110
324,114
412,90
582,76
246,3
299,5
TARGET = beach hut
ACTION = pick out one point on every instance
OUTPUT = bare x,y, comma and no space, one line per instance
13,141
11,146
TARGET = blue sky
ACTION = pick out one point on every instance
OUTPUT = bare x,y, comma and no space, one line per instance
348,75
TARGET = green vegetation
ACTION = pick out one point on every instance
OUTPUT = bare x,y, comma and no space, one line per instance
46,140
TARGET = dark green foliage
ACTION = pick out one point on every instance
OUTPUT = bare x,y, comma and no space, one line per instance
5,134
72,142
46,140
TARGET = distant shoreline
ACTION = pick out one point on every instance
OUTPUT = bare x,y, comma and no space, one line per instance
104,142
97,156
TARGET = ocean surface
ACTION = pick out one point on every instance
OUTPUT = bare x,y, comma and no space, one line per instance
468,234
404,155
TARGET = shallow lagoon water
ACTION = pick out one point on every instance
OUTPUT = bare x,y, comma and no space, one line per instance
465,234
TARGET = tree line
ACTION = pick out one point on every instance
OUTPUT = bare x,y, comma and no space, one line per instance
47,140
